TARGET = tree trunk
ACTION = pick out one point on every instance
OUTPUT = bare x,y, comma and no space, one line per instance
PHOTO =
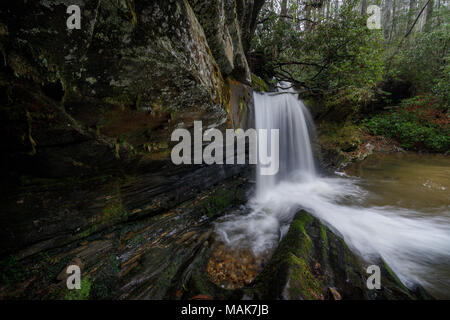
308,18
429,17
328,8
394,20
387,18
284,7
363,4
411,12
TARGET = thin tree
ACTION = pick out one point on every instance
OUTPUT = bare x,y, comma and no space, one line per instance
387,18
363,4
407,35
429,16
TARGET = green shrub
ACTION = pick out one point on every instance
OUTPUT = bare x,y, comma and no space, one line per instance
441,87
345,137
346,104
259,84
424,61
413,125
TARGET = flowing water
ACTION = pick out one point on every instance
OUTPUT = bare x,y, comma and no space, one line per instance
292,119
396,206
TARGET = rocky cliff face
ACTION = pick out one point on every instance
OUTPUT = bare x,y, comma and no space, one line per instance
87,114
86,179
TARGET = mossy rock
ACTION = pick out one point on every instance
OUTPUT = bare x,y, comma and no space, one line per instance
288,274
259,84
342,137
313,263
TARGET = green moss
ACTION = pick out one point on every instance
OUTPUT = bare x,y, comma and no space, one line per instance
221,199
394,289
50,270
120,98
344,137
86,233
346,104
324,238
352,276
290,262
81,294
393,276
137,240
103,287
113,212
302,283
259,84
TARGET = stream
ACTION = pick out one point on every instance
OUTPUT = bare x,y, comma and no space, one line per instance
394,206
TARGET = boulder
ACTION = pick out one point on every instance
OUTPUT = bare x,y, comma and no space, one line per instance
313,263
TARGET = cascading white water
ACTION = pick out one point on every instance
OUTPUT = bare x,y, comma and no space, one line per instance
285,112
408,242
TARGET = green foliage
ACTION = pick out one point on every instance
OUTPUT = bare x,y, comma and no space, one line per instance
412,125
441,87
328,52
259,84
345,137
346,104
316,55
424,61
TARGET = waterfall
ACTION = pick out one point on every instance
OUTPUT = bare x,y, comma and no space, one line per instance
285,112
408,242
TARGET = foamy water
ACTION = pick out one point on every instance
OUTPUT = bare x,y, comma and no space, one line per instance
410,243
